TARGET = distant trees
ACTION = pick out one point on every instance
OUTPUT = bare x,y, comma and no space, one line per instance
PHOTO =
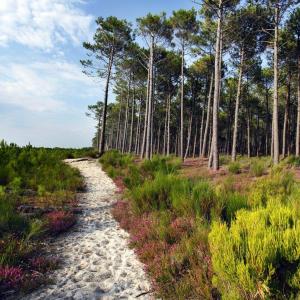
203,84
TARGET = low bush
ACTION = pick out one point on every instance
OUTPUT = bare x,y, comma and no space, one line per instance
59,221
257,168
163,165
154,194
10,277
277,187
258,255
10,220
204,199
115,159
234,167
292,160
232,202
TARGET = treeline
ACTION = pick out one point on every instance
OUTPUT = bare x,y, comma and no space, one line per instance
221,79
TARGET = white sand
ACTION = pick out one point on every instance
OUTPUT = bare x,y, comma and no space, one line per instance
97,263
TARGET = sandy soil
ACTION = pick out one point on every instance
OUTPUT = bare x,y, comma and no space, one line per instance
97,262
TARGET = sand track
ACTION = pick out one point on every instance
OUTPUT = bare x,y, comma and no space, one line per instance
97,263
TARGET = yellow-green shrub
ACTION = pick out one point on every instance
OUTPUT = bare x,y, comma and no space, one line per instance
276,188
259,255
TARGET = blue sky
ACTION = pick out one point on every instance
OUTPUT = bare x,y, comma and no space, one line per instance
43,93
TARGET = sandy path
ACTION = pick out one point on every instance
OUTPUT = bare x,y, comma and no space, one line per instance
97,261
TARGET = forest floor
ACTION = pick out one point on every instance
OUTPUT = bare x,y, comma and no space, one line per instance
97,261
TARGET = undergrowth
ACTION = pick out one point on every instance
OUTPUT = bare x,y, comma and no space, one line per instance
36,189
205,240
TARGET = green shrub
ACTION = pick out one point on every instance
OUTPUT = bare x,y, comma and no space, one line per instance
224,160
203,199
276,188
257,168
164,165
115,159
258,256
234,167
154,194
133,177
292,160
180,195
10,220
233,202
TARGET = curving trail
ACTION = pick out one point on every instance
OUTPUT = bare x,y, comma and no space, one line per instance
97,261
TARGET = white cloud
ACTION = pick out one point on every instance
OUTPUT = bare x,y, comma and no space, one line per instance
43,24
44,86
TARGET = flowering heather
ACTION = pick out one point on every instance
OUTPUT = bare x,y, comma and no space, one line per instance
180,227
60,221
120,184
43,264
10,277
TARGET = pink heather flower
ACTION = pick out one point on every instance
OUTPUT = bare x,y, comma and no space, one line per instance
10,277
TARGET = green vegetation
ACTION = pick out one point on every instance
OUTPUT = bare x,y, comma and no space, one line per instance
36,188
204,239
234,167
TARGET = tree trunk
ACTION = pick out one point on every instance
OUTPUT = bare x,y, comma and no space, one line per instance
119,125
248,135
181,102
189,137
286,116
126,119
195,140
149,117
237,103
145,117
109,69
132,120
138,130
168,125
203,151
275,104
214,145
298,111
267,122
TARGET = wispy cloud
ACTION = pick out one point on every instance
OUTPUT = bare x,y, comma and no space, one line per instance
43,86
43,24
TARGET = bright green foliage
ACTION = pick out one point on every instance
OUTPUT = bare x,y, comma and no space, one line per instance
259,255
274,188
234,167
